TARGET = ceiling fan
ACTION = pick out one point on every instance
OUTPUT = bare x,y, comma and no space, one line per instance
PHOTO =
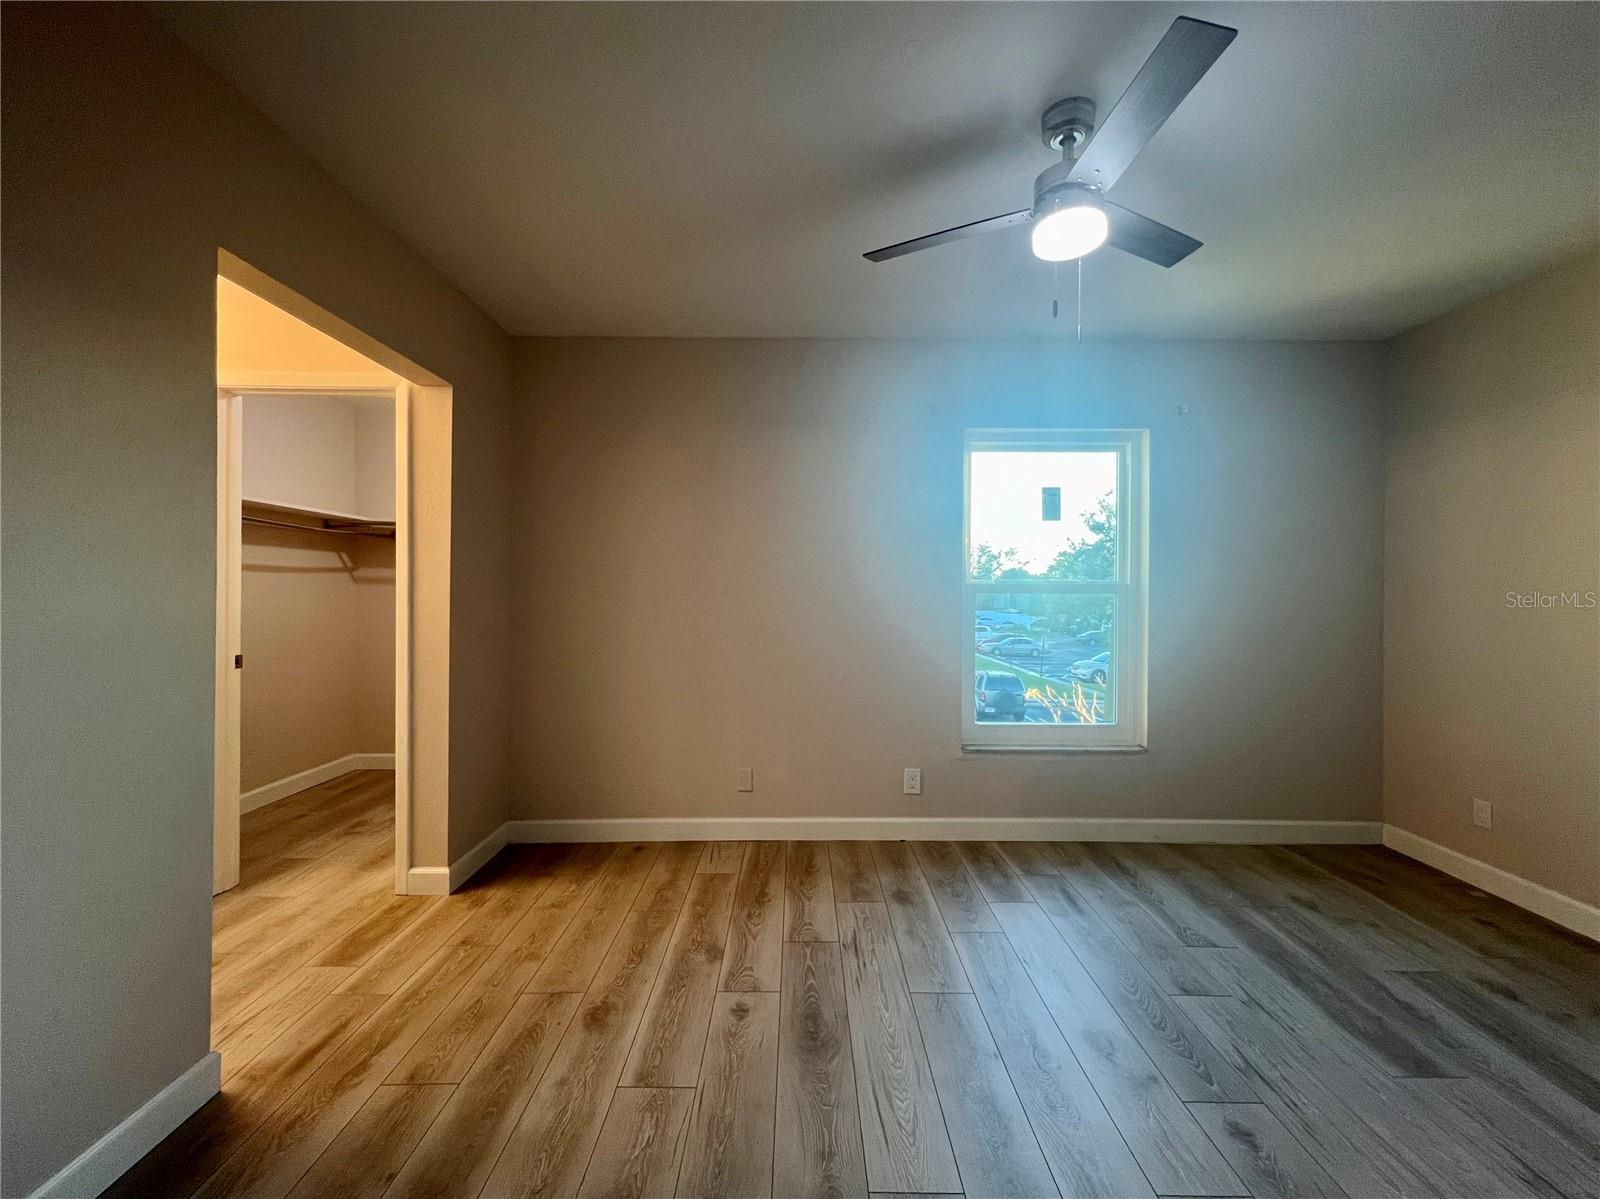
1070,215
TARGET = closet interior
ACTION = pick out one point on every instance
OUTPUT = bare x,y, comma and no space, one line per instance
317,590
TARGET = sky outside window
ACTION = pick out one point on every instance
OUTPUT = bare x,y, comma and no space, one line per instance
1007,500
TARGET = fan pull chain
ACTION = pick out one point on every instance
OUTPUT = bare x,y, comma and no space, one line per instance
1080,300
1055,286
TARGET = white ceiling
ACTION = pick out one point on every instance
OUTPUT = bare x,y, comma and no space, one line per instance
717,170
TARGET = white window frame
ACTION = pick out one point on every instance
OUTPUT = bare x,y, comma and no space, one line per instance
1130,628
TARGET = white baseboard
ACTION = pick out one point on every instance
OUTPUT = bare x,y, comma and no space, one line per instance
260,797
109,1158
1564,910
442,880
951,828
477,857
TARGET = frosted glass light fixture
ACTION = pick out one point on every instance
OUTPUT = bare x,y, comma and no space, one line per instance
1075,227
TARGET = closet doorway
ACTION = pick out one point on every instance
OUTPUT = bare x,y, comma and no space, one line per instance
332,614
309,564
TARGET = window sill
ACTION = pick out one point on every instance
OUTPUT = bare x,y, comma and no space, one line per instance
971,748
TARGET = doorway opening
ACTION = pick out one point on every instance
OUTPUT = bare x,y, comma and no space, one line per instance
332,629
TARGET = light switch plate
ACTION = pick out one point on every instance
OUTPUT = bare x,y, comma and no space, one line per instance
744,779
1483,813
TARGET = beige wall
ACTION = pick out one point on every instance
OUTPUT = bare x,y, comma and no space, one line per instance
318,636
1494,487
127,164
747,553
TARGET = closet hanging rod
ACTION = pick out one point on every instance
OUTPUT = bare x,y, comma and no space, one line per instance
356,528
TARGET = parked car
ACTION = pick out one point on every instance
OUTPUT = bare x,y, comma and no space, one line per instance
1095,669
998,694
1095,636
981,633
1015,647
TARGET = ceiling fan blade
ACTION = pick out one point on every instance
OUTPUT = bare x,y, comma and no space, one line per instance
1183,55
1147,239
988,225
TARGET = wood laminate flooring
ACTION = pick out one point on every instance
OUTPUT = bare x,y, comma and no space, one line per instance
847,1020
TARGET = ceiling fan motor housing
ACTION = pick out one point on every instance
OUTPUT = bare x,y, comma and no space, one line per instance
1053,189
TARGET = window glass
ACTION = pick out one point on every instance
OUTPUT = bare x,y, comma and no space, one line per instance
1055,647
1043,514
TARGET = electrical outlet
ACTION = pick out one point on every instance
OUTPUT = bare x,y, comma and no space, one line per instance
1483,813
744,779
912,785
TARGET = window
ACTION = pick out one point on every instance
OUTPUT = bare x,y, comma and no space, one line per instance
1054,621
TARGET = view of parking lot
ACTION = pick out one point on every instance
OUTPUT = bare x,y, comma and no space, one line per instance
1060,660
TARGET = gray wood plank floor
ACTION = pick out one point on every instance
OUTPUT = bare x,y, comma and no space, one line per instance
851,1020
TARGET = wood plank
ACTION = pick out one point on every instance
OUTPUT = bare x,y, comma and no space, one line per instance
668,883
818,1152
1190,1064
1229,876
808,893
1175,1153
269,1163
1272,1163
1148,874
1086,1153
729,1151
1177,968
363,1159
641,1142
1516,1134
386,971
1313,1098
452,1043
855,876
239,1041
1546,1049
1347,995
922,941
460,1148
963,909
754,960
722,857
573,960
204,1143
549,1148
356,946
1375,1134
513,881
242,911
1029,857
994,1145
997,881
902,1123
672,1034
447,1050
1509,1078
1311,1063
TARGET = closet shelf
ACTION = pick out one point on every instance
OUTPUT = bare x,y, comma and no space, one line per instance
255,501
255,510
